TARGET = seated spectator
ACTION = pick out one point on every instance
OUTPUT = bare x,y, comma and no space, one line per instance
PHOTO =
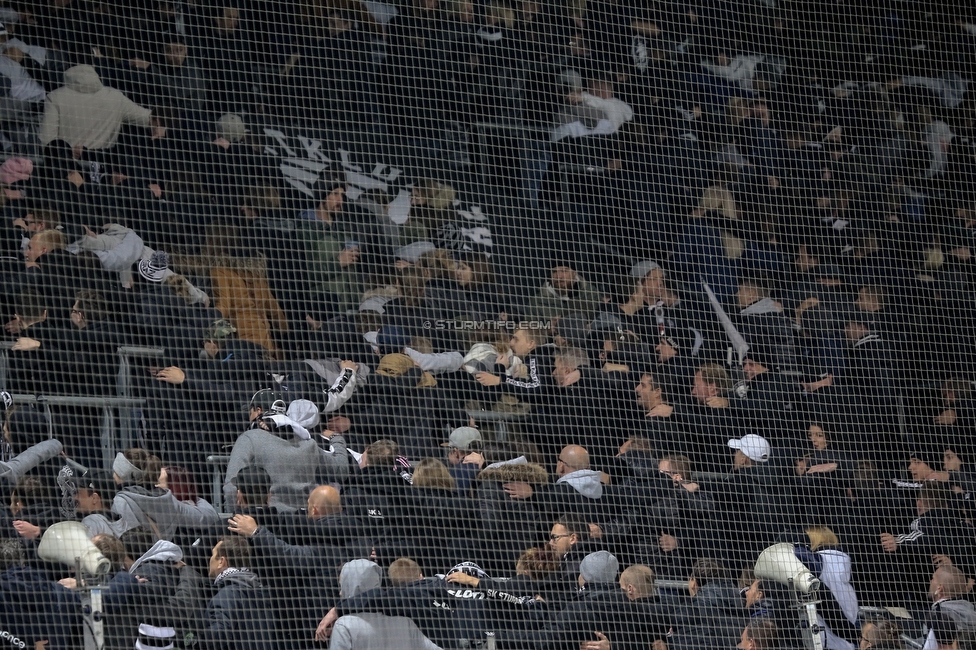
22,85
566,292
464,457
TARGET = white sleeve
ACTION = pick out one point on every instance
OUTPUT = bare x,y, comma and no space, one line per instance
437,362
340,391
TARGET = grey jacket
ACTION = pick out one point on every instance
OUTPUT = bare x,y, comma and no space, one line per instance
13,470
378,632
291,462
158,510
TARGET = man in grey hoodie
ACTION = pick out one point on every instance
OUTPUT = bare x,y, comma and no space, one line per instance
371,631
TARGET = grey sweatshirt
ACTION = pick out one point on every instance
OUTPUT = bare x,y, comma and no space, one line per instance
158,508
13,470
291,462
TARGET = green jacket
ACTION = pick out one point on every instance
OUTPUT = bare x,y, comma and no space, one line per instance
547,304
323,243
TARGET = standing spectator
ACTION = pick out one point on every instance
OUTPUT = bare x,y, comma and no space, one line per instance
87,114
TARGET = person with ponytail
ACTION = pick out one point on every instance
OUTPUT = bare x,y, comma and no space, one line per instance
142,502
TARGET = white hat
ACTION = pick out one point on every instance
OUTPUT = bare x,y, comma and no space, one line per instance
755,447
642,268
304,412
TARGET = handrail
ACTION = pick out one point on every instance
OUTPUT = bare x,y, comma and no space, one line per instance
140,351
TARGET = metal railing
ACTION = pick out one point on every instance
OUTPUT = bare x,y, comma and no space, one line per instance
107,429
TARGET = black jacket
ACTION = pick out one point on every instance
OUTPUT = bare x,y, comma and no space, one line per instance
33,608
239,616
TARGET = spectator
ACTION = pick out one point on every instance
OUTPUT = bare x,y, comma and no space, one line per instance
87,114
464,457
140,502
238,614
366,631
285,449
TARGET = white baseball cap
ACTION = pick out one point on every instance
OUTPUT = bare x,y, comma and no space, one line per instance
755,447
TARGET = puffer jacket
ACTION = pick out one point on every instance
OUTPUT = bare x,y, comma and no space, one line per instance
509,526
85,112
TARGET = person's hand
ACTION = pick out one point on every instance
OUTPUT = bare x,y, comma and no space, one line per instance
946,417
142,64
669,543
314,324
716,402
488,379
888,543
68,583
801,467
602,644
41,645
504,359
242,525
348,257
610,367
963,254
171,375
474,458
940,561
324,630
570,377
158,132
25,344
659,645
223,143
346,364
822,468
156,190
574,97
463,579
14,326
813,386
596,532
665,352
661,411
339,424
27,530
402,264
518,490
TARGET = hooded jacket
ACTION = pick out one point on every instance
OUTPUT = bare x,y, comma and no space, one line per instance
13,470
578,493
84,112
157,509
292,463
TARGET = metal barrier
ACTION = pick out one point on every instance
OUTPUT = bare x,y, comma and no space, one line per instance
499,420
4,361
110,443
217,463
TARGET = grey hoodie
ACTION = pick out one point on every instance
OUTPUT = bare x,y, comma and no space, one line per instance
764,306
13,470
158,510
368,631
84,112
359,576
585,481
292,464
161,551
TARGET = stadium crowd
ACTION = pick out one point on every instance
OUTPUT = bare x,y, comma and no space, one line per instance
727,304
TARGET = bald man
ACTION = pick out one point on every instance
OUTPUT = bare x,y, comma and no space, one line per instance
947,591
578,490
324,501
